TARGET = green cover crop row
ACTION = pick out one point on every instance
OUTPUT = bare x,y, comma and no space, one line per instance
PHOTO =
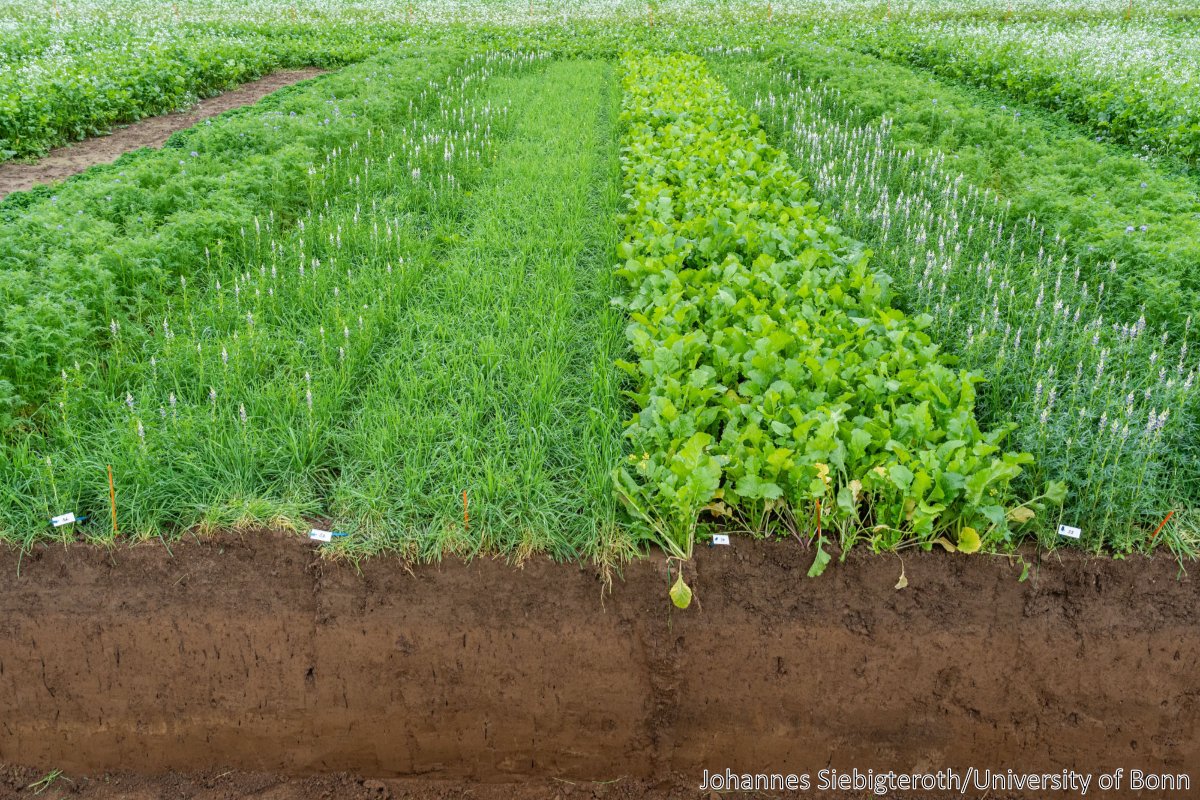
93,69
1104,402
79,261
776,386
1128,222
76,67
1131,83
498,378
238,404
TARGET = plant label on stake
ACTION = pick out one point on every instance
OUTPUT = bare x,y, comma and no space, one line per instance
318,535
64,519
720,538
1069,531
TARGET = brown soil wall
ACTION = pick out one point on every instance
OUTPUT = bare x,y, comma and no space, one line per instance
255,654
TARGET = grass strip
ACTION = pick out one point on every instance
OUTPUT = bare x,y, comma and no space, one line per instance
501,382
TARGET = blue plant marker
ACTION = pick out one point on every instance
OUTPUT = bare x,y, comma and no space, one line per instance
318,535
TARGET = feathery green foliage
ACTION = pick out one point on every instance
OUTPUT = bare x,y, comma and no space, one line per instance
427,326
113,249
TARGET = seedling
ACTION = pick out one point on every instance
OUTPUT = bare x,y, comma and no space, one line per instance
48,780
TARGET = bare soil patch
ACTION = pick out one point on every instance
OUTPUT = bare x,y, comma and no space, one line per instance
253,654
71,159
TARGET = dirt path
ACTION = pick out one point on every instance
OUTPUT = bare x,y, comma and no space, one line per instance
255,654
71,159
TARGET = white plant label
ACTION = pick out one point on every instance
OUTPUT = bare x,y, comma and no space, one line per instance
318,535
720,538
1068,531
63,519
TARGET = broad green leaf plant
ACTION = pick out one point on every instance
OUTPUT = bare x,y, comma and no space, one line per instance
777,389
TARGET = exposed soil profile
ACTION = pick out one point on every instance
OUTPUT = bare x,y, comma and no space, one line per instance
63,162
252,667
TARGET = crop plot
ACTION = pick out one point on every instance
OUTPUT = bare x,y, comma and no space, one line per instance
1098,396
774,378
383,300
500,380
300,413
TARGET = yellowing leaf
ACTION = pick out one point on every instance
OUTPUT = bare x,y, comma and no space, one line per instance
718,509
946,543
681,594
903,582
1021,514
968,540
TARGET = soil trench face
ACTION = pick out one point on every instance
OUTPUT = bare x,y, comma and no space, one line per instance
254,653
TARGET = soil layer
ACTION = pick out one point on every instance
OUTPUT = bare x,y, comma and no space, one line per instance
63,162
255,654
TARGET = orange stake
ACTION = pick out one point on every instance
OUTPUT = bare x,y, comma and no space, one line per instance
112,498
1161,525
818,519
466,515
